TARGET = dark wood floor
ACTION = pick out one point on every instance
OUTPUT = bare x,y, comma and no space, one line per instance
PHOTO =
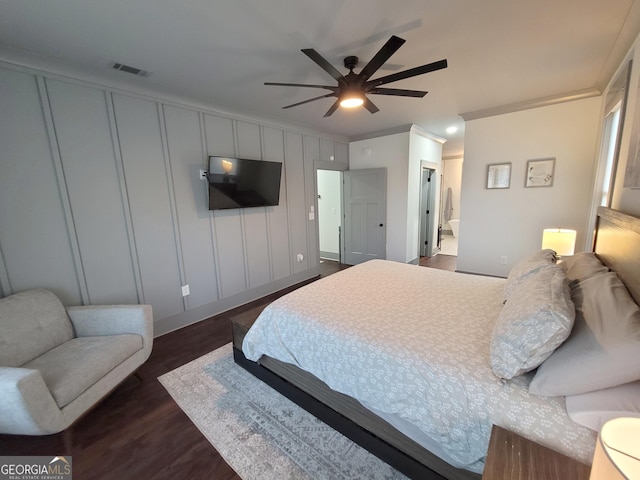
139,432
442,262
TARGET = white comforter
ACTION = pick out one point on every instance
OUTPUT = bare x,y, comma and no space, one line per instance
413,343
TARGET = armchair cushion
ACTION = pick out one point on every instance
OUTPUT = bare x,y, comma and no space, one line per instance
94,320
73,367
32,323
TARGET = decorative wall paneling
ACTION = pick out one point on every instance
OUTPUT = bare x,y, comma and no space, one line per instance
186,151
313,150
101,201
93,185
149,187
278,221
254,220
294,170
32,215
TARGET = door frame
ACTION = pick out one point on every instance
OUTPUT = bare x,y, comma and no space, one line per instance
338,167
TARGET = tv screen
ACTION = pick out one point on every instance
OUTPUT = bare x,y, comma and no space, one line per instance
242,183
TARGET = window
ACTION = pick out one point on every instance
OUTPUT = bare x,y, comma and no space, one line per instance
609,150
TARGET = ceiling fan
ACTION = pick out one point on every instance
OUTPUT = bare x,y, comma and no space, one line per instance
352,88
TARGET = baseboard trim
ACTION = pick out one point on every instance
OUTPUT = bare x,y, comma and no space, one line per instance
197,314
330,255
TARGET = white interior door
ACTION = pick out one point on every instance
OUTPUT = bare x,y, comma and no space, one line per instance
427,214
365,207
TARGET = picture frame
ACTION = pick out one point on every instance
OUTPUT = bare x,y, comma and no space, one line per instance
540,172
498,175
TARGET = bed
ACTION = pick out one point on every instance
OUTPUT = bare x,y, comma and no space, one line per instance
417,364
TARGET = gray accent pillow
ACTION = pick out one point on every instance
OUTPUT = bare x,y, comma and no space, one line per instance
534,321
583,265
603,349
528,266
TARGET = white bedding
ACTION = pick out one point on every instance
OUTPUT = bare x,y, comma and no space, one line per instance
413,343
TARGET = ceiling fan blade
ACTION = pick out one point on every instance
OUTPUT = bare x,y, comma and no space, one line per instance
326,66
412,72
301,85
333,108
398,92
388,49
369,105
310,100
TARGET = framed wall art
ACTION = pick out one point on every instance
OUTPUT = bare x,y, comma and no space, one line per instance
540,172
498,175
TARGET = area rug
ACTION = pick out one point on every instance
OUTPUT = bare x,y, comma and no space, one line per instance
261,434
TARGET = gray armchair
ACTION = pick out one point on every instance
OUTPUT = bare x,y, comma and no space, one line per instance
57,362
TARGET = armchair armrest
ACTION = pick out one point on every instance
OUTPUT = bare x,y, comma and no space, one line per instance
96,320
26,405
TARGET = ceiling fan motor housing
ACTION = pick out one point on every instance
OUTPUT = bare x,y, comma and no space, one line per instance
351,62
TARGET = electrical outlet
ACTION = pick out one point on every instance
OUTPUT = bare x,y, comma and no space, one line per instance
203,174
185,290
503,260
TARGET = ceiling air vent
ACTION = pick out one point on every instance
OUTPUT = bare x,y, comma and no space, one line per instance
130,69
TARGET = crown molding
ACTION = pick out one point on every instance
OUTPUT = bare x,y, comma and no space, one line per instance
427,134
526,105
407,128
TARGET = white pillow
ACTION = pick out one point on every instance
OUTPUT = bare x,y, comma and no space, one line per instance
583,265
535,320
593,409
604,346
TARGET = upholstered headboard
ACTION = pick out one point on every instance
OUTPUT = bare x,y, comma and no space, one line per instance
617,244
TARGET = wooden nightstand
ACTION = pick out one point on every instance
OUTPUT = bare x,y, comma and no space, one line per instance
511,457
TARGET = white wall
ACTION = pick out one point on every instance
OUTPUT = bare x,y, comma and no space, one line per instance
329,212
401,154
509,222
390,152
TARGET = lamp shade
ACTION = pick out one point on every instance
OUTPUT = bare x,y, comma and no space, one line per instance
561,240
617,453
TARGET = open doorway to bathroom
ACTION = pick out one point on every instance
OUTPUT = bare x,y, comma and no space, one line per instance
450,205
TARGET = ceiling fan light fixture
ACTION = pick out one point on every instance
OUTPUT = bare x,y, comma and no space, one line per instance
352,89
352,99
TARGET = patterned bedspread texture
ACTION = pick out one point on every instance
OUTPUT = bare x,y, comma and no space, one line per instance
414,342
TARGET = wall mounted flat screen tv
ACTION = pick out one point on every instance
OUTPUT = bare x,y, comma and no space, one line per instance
242,183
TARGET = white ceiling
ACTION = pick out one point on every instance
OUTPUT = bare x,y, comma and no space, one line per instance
220,52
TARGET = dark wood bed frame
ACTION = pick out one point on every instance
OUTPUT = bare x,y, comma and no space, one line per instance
617,244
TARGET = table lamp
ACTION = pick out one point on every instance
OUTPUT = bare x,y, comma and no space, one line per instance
617,454
561,240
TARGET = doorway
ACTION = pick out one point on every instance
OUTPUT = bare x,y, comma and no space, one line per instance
351,208
450,192
329,183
